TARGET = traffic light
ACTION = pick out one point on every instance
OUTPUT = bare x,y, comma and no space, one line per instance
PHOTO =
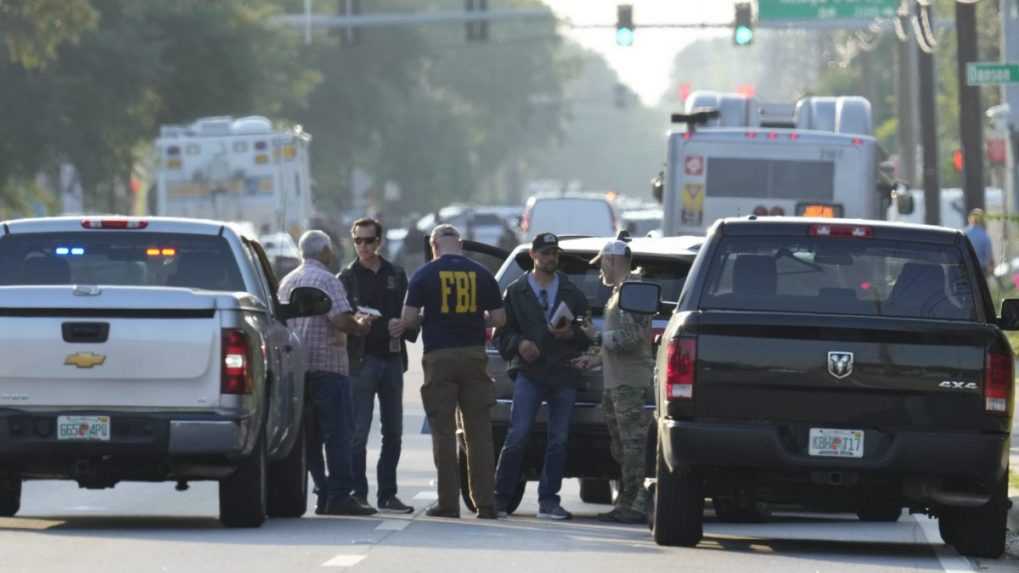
349,36
477,31
743,29
624,25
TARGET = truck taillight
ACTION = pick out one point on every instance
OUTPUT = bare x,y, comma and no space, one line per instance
847,231
236,378
998,383
681,367
113,223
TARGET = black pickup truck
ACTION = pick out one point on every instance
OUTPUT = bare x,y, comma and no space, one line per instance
835,365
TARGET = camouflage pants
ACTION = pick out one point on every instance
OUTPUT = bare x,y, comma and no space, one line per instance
628,422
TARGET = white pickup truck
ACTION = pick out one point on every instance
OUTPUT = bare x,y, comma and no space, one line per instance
150,350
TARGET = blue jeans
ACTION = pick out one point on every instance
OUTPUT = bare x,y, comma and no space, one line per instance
331,396
527,398
382,376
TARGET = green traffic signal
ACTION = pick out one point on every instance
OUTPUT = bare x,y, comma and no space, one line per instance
743,24
624,37
743,35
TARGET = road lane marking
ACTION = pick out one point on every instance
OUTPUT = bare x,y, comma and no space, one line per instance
949,562
393,525
427,496
344,561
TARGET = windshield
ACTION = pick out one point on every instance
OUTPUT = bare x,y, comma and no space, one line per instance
119,258
591,217
669,273
840,276
770,179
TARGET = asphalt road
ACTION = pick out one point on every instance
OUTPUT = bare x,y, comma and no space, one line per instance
151,527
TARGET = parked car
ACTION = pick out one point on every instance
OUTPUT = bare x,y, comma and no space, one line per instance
837,365
569,213
643,222
150,350
665,262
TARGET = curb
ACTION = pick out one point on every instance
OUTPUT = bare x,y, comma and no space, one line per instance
1013,516
1012,543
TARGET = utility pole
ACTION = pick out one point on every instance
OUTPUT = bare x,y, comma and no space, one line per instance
971,117
905,100
1010,93
928,127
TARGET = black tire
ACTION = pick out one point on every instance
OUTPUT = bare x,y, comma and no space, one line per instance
518,496
981,531
651,506
880,511
728,510
679,508
465,486
465,482
946,526
595,491
243,497
10,496
288,481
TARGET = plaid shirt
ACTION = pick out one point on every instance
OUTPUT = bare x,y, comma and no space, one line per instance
326,346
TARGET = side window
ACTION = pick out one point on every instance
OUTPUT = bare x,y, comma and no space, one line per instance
266,291
266,268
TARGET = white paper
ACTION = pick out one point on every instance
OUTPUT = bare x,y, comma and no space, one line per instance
369,311
562,312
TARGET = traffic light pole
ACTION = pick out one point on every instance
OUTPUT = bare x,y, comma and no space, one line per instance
971,121
929,135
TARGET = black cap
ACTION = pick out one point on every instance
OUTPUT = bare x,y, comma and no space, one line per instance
544,240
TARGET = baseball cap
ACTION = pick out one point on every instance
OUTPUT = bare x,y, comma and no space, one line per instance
614,247
445,230
544,240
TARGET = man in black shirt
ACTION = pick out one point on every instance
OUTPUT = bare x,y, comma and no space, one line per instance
377,361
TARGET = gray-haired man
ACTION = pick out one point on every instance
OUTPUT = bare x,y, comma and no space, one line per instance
324,338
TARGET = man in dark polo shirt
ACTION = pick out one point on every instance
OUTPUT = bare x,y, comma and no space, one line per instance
377,362
455,299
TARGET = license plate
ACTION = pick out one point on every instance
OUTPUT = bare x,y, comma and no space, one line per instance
830,443
83,428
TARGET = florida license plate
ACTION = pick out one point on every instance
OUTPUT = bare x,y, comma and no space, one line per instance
83,428
829,443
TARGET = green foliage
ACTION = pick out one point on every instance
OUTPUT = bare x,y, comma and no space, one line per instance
33,30
416,106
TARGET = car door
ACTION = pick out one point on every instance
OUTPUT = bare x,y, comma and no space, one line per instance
287,399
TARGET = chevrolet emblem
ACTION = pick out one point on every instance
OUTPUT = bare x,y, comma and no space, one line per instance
84,359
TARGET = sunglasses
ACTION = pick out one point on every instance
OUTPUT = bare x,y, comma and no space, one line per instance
364,240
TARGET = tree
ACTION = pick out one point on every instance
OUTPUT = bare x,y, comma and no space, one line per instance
33,30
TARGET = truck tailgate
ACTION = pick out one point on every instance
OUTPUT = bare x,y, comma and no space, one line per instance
841,371
124,347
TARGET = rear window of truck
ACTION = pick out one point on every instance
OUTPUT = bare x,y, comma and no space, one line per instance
840,276
119,258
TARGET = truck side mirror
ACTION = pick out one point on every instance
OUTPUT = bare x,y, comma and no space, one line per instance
306,301
640,298
903,200
1009,314
658,186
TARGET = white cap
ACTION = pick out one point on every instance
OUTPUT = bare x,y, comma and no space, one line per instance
615,247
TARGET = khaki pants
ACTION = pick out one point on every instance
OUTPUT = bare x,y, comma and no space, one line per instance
457,377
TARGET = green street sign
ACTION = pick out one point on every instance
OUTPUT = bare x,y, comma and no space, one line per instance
787,10
991,74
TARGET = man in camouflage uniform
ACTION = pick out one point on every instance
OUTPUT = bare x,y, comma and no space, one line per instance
627,363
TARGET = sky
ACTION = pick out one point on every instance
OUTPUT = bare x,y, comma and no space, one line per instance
647,64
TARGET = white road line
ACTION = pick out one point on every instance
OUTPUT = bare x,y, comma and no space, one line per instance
427,496
393,525
343,561
949,562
